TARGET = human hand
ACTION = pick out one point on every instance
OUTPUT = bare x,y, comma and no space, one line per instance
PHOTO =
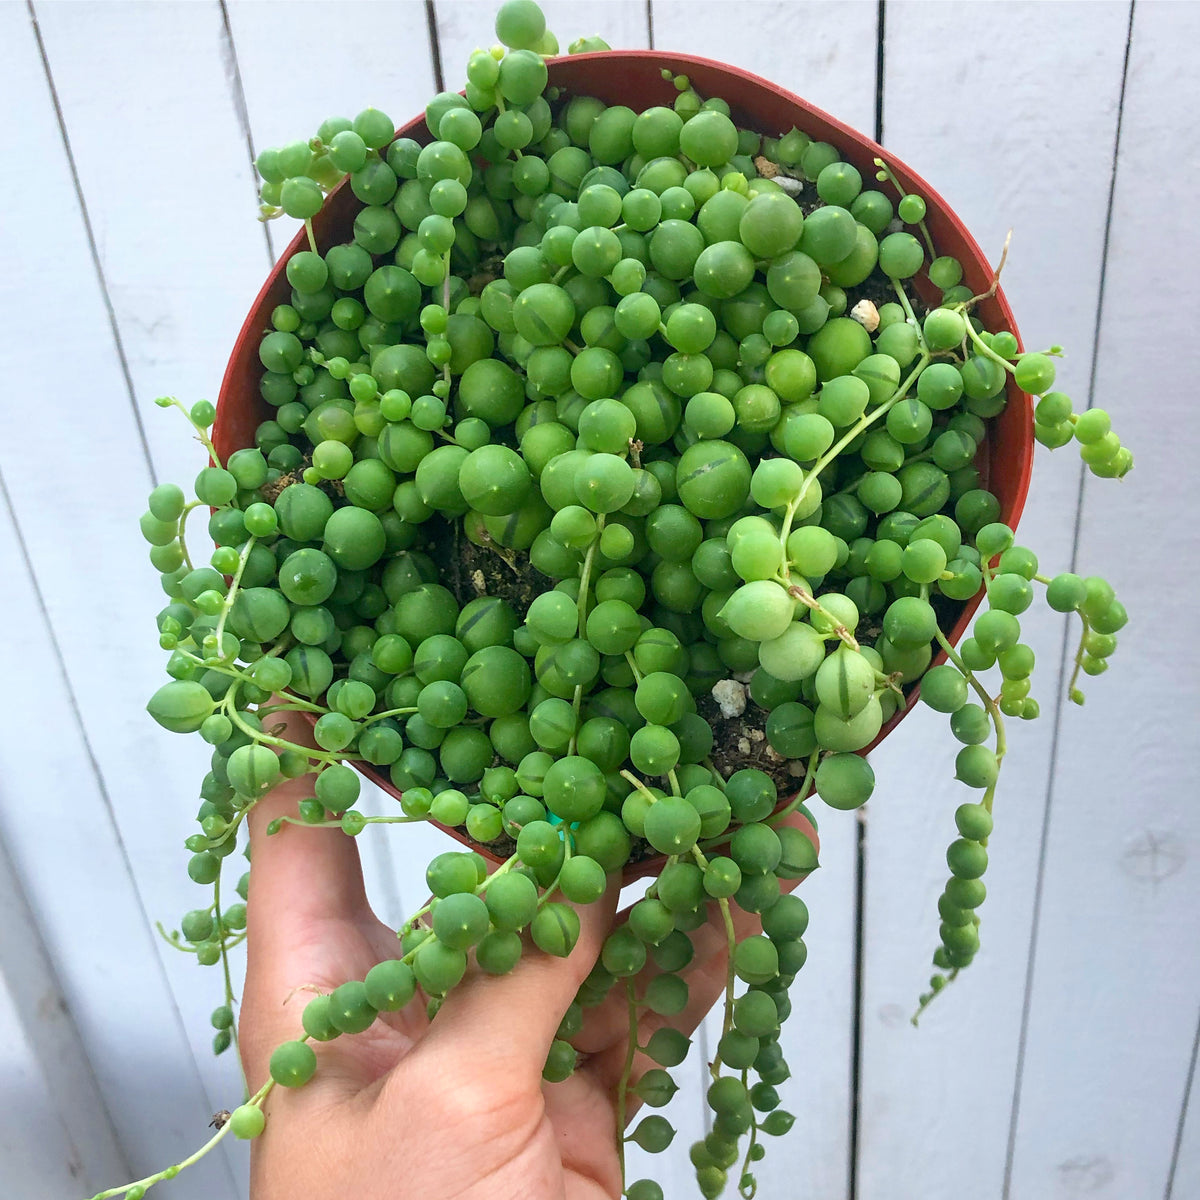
456,1108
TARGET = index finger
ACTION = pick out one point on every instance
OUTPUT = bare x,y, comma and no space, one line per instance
306,887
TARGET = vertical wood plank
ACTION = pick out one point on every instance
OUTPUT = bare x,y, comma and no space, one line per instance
79,524
371,55
176,337
1117,981
1016,129
827,55
92,918
178,240
1036,98
58,828
1183,1178
37,1157
282,105
40,1023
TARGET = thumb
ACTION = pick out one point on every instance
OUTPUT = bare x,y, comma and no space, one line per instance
528,1003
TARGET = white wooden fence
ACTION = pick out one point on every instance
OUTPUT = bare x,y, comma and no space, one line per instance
129,254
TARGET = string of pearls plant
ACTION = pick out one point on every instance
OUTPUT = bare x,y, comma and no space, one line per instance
671,380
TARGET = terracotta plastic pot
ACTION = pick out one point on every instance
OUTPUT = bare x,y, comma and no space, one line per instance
634,78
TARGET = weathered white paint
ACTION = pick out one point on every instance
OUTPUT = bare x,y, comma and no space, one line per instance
176,236
37,1155
1015,127
79,524
1183,1178
57,825
38,1022
824,53
1018,135
371,55
1113,1012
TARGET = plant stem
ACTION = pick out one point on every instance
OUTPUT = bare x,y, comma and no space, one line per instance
731,942
639,784
585,575
902,193
229,997
391,712
149,1181
950,978
229,705
811,602
338,824
1073,685
544,898
750,1192
502,869
988,703
576,705
864,422
986,350
810,775
231,595
201,435
626,1071
295,704
786,528
446,307
912,317
183,516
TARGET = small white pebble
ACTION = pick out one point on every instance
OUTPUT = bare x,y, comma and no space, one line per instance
731,696
866,314
793,187
756,735
743,676
744,745
773,755
796,768
478,580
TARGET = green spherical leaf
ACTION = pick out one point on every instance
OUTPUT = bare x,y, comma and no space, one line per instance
844,781
181,706
292,1064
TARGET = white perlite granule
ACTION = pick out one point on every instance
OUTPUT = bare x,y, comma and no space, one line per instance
866,314
731,696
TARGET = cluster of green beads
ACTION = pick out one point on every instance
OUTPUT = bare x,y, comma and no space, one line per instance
1011,573
1055,424
611,349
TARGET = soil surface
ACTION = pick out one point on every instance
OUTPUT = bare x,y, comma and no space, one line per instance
740,742
471,571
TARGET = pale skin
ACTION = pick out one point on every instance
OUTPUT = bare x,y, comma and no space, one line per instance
455,1109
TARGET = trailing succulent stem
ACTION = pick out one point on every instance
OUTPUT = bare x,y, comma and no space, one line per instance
620,481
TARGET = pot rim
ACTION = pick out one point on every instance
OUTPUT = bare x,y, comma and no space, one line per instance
736,85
